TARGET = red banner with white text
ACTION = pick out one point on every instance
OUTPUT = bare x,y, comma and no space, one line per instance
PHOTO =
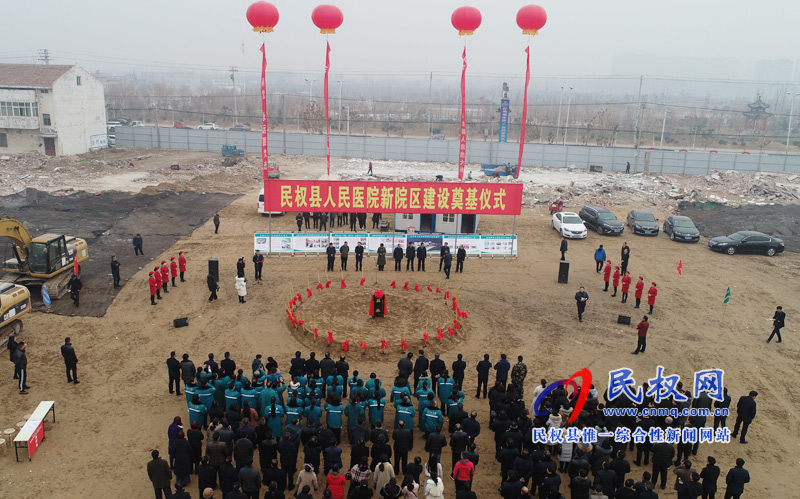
264,149
327,122
524,110
462,144
392,197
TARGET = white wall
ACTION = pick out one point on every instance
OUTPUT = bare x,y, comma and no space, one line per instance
79,111
18,122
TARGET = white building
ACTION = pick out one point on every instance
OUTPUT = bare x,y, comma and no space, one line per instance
444,224
55,110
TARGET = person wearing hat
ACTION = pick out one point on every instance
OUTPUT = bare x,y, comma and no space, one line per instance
639,290
626,285
153,289
164,275
181,264
616,280
258,264
642,328
607,274
625,254
173,270
599,258
208,493
651,296
157,276
581,297
745,413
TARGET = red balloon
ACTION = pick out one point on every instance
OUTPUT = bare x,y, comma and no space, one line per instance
531,19
327,18
263,16
466,20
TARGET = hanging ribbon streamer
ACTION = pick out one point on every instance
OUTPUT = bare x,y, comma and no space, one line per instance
393,284
524,109
346,345
430,288
462,144
416,287
264,148
327,122
439,334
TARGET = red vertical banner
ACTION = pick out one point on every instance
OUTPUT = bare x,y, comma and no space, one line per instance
264,148
327,122
524,109
462,144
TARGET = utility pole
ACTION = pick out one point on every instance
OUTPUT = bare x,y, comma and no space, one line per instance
558,127
430,100
341,83
44,56
233,83
636,133
566,121
663,126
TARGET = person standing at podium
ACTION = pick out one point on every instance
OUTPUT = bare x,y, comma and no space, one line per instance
581,297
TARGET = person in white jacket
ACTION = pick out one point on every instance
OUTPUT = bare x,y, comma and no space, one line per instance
241,288
434,487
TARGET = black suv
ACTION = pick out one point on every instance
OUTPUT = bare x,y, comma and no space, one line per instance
600,219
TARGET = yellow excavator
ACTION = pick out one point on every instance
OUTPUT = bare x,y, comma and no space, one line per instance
42,260
15,301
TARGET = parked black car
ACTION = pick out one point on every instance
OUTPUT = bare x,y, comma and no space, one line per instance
747,241
681,229
600,219
642,222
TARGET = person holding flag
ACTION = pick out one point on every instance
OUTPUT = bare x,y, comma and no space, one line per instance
639,290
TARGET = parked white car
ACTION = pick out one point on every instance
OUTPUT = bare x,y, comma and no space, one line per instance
208,126
569,225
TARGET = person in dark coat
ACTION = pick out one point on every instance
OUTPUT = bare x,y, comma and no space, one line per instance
299,220
160,475
182,458
745,413
12,352
212,286
502,367
461,255
581,297
736,478
137,245
21,367
448,263
70,360
288,456
206,476
115,271
422,254
195,438
411,253
710,474
442,251
403,444
778,321
381,257
607,479
563,248
307,218
483,368
663,453
75,285
359,252
331,252
397,254
216,223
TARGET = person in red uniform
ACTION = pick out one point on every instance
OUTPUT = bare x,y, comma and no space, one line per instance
607,274
626,286
642,327
164,275
153,289
157,277
616,280
651,296
181,264
639,291
173,269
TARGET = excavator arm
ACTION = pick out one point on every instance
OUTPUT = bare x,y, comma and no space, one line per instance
19,235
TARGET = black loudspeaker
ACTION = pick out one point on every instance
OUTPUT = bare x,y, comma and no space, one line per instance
563,272
182,322
213,268
624,319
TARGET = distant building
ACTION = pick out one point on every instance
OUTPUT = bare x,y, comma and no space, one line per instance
445,224
756,111
54,110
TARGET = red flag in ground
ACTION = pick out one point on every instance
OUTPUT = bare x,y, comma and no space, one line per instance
405,286
363,345
450,331
439,334
308,290
416,287
343,284
438,289
430,288
680,267
425,337
301,322
393,284
316,333
76,268
320,286
447,295
363,280
384,346
330,336
346,345
328,284
299,297
456,324
403,345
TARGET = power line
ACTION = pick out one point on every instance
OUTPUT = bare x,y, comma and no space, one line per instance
44,55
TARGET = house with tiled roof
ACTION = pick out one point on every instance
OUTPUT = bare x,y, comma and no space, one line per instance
50,109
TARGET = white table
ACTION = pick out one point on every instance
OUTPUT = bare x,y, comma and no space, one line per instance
32,433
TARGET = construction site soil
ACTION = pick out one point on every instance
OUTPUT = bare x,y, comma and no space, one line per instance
107,426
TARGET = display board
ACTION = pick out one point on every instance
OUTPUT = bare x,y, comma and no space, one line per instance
316,242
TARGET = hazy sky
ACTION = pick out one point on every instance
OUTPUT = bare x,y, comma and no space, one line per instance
581,36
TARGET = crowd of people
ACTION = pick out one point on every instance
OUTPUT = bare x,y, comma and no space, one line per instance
415,435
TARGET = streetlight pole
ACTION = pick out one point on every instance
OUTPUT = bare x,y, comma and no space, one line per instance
348,120
341,82
310,89
566,121
560,100
791,111
663,126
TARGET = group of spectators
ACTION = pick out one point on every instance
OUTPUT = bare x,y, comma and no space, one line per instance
409,436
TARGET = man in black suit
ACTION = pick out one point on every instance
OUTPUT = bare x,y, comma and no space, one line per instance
228,365
397,254
458,371
411,253
422,254
563,248
70,360
174,370
420,366
297,365
483,368
777,323
745,413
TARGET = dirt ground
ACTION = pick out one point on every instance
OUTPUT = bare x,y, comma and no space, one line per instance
107,425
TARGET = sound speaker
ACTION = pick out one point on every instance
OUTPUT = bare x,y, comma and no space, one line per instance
563,272
213,268
181,322
624,319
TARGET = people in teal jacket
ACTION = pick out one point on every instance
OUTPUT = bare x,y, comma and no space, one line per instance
197,411
376,407
294,409
220,384
333,418
274,416
354,411
232,396
426,398
353,380
250,396
399,389
405,412
206,393
313,412
446,384
432,417
190,391
455,398
376,388
358,390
